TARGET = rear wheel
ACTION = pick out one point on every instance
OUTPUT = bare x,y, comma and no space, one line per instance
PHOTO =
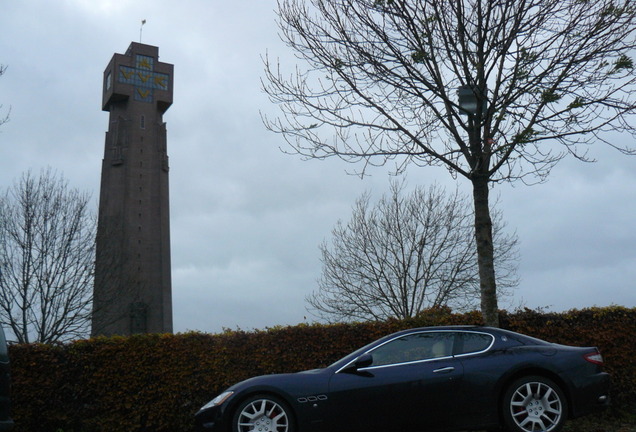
533,404
262,413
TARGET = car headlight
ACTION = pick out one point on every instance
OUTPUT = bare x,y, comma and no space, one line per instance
218,400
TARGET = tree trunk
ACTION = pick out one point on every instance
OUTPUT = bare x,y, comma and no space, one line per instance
485,254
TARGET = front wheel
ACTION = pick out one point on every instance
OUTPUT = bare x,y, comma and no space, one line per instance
262,413
533,404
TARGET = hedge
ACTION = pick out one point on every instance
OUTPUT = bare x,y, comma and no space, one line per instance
156,382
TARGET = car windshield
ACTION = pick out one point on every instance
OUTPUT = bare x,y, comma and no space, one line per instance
351,356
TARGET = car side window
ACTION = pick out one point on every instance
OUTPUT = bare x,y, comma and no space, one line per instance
468,342
413,347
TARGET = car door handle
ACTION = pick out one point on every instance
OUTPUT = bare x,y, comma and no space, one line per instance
444,370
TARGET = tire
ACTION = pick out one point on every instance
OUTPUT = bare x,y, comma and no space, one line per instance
533,404
264,413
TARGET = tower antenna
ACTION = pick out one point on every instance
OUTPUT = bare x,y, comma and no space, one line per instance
143,21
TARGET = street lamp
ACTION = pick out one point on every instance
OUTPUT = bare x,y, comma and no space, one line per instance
468,101
469,105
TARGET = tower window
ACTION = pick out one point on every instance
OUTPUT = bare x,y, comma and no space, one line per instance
142,122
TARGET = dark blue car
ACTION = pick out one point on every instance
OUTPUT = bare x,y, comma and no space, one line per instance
6,423
424,379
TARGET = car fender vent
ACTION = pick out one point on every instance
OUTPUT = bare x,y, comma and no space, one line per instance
312,398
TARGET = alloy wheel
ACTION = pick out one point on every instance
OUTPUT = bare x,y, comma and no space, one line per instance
536,406
263,415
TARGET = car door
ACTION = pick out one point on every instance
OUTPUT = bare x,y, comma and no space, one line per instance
483,367
408,386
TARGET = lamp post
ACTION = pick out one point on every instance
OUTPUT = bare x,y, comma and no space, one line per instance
469,99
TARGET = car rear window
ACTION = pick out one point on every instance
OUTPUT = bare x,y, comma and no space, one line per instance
469,342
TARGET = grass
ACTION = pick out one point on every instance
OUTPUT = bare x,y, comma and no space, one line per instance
603,422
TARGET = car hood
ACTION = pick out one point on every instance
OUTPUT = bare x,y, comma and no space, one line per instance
293,385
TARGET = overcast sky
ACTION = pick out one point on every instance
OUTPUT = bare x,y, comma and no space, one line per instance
246,219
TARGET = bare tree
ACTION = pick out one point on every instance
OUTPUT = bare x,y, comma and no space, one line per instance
4,119
47,255
541,79
406,253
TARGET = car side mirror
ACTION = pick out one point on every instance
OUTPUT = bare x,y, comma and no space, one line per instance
363,361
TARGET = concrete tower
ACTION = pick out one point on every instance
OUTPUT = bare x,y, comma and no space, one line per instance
133,292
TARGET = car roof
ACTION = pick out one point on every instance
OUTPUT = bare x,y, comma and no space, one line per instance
446,327
525,339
